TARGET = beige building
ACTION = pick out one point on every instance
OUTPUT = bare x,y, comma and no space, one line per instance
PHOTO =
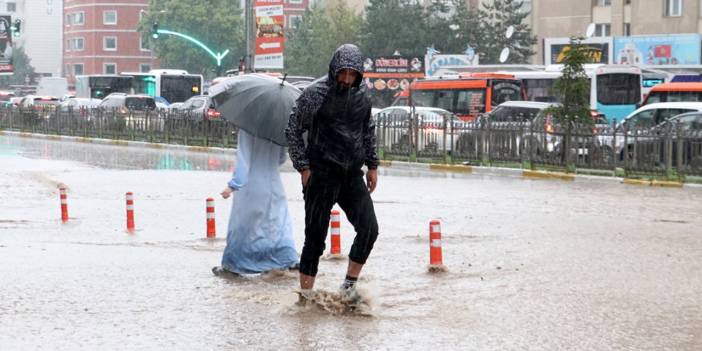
563,18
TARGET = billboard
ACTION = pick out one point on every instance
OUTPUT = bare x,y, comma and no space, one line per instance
599,50
435,63
270,34
385,77
6,66
674,49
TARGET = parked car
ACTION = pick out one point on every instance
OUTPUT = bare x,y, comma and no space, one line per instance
514,118
640,122
136,111
75,103
35,108
649,145
6,97
394,122
199,108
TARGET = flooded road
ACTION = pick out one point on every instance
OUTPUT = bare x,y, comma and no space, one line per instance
532,264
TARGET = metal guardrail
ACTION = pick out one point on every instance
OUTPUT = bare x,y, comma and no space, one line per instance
159,126
671,152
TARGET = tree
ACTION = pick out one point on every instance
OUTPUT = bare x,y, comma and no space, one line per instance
309,47
401,25
219,24
573,88
465,28
495,18
23,69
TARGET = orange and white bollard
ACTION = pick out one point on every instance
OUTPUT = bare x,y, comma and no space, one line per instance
130,212
436,263
211,231
335,232
64,204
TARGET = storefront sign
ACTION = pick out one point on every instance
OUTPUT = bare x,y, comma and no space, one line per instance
674,49
270,37
598,50
6,48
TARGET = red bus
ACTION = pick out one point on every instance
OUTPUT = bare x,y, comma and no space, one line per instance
468,94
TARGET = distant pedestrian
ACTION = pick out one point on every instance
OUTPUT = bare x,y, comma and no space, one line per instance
336,113
260,235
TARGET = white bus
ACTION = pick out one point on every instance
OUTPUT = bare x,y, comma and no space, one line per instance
615,90
170,85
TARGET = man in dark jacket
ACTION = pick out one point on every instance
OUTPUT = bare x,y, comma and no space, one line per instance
335,111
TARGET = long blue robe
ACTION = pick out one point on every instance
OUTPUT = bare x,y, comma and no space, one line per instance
260,234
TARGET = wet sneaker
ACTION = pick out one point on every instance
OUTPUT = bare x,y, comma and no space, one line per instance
349,294
304,297
221,272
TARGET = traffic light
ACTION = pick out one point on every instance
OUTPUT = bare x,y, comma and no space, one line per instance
16,27
154,30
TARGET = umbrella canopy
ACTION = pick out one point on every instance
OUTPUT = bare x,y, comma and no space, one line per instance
258,104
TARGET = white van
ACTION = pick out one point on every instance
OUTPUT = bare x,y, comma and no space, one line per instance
52,86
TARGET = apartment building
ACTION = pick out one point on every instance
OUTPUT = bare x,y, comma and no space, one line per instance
100,37
40,33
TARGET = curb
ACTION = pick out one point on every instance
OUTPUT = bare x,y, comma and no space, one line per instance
99,141
658,183
399,165
547,175
451,168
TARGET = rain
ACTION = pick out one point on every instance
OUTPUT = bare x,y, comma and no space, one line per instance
590,264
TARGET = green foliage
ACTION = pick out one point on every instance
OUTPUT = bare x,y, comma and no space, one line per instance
401,25
23,68
309,47
465,29
219,24
495,17
573,87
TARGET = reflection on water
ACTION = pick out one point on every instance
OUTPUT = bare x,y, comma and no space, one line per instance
117,157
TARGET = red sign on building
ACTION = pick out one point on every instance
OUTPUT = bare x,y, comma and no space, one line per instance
270,34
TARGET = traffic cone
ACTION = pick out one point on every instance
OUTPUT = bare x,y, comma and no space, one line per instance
130,212
64,204
335,232
211,229
436,263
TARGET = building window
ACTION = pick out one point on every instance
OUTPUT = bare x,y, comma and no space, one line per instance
294,21
77,18
109,68
603,2
295,2
68,44
109,43
627,29
109,17
142,47
144,67
11,7
77,44
77,69
673,8
602,29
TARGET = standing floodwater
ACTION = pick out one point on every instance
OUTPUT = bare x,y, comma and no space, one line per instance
531,264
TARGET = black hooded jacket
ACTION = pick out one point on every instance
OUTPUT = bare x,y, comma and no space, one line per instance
341,132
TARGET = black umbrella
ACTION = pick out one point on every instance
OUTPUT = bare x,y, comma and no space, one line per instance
256,103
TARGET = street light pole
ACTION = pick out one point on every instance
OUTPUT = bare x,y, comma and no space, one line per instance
250,35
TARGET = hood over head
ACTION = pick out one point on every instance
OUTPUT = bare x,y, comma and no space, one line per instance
347,56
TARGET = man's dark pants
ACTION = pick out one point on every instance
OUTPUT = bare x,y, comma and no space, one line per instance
325,188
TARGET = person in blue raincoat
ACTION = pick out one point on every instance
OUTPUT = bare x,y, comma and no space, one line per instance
260,234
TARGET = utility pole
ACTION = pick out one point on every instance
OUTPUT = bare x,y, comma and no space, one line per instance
250,24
